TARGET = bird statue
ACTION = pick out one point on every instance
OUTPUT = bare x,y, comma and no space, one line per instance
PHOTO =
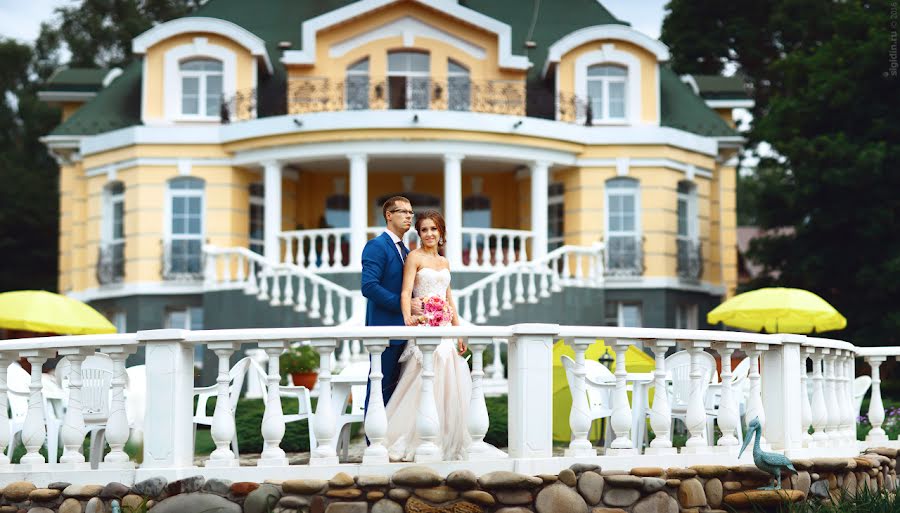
770,462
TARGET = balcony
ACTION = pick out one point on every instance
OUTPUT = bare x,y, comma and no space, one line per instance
182,260
111,263
398,93
624,256
690,260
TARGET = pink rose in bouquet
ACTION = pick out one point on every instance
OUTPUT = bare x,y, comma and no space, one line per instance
436,311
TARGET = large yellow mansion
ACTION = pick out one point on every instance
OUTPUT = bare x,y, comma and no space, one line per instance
230,175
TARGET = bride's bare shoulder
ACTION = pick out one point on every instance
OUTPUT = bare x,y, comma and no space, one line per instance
445,264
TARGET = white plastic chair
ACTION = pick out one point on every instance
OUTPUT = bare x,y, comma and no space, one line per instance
356,400
860,386
96,396
599,384
740,389
257,373
678,372
18,393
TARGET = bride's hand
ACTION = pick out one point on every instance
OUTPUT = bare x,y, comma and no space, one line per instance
461,346
410,321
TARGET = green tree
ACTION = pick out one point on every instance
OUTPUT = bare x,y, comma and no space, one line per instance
827,103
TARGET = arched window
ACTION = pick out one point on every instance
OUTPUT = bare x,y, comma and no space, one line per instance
184,229
606,85
459,85
409,84
111,261
201,87
623,227
257,218
357,85
688,238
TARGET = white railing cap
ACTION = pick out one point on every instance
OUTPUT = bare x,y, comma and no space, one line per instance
161,335
613,332
22,344
347,332
878,351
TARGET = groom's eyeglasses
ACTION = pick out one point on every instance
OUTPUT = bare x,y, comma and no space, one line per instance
402,211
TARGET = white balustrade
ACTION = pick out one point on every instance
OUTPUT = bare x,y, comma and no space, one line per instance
223,428
427,422
819,408
755,408
580,415
661,412
273,418
621,411
696,410
479,422
34,430
831,399
376,418
729,405
324,453
117,429
805,405
5,360
876,406
494,248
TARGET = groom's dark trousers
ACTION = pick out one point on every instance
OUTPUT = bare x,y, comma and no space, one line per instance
382,280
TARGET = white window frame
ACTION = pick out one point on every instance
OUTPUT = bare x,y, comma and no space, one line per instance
687,316
256,201
612,56
633,191
171,194
202,77
691,211
200,48
605,98
107,235
620,312
409,75
356,73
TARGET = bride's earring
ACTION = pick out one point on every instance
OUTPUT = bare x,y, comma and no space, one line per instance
441,241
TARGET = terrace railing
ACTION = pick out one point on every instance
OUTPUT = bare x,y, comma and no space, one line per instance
777,397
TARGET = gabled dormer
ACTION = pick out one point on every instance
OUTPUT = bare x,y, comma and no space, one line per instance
607,75
191,65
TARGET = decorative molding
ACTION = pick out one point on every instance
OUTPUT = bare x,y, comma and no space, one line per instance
731,104
601,32
193,24
622,164
155,162
184,167
65,96
115,290
662,282
312,26
690,81
409,28
112,75
609,54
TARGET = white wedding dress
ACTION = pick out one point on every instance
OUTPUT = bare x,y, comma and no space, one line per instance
452,388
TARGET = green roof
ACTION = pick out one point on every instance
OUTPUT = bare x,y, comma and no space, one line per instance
118,105
76,79
718,87
683,109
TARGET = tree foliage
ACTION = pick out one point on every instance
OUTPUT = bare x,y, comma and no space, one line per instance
96,33
827,102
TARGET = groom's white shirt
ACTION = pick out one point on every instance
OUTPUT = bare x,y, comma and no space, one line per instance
397,241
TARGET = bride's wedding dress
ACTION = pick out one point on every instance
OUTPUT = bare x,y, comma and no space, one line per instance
452,388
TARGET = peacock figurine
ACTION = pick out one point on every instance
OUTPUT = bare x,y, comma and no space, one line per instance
770,462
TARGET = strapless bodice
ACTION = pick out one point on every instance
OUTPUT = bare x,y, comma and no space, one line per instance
431,282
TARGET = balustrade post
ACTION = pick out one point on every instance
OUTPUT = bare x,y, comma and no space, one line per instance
272,428
73,429
117,429
621,411
818,408
223,428
478,421
34,429
849,372
580,415
843,380
754,401
661,413
209,274
376,417
427,422
781,394
345,353
806,406
168,435
5,360
876,406
729,403
530,361
325,452
831,428
696,408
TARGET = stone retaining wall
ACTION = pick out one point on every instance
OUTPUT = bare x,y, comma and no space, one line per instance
582,488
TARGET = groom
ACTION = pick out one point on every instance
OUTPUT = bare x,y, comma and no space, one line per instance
382,279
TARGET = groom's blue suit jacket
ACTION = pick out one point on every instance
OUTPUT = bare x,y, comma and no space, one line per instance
382,281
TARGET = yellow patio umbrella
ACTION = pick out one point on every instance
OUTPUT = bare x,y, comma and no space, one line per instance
46,312
778,310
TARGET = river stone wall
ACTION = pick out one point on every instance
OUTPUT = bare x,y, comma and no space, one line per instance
582,488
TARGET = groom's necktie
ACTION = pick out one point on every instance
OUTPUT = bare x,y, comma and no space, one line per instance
403,251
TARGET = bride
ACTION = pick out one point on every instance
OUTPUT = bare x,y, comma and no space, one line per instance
427,275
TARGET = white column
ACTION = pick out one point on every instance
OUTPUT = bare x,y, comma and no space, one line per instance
376,419
453,208
781,395
272,227
831,398
117,430
272,429
876,407
478,421
579,415
729,403
805,404
539,179
73,429
530,361
324,419
359,212
621,410
223,428
818,408
754,401
428,423
696,409
34,429
168,437
661,413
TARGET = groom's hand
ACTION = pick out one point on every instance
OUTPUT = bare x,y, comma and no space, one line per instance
416,306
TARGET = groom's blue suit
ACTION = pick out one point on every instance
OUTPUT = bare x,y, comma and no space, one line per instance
382,281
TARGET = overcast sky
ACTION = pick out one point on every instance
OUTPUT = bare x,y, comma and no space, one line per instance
21,19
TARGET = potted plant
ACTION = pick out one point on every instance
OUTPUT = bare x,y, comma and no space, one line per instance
301,363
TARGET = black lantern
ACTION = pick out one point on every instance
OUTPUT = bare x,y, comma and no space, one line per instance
606,359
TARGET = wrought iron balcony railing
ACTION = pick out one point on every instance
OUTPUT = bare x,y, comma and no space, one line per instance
690,259
414,93
111,263
182,260
624,256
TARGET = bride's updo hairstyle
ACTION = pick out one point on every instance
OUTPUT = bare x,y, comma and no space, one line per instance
438,219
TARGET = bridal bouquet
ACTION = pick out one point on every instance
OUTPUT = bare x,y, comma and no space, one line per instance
436,311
